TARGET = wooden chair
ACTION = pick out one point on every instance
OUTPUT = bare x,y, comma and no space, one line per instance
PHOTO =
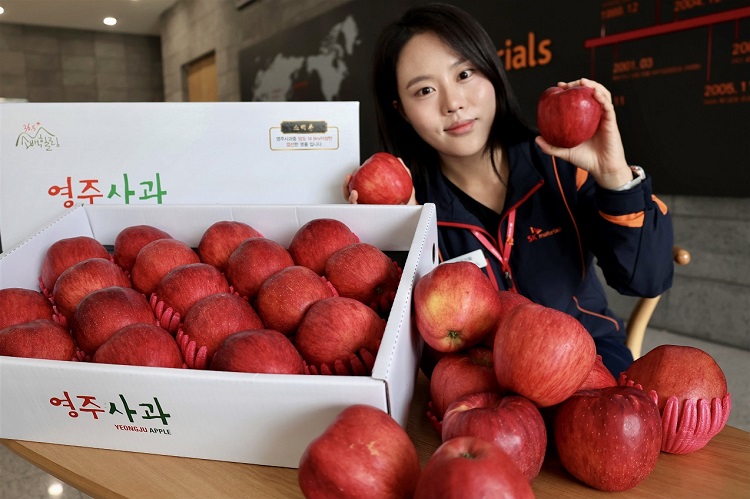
644,308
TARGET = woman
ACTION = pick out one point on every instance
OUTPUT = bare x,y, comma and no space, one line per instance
542,216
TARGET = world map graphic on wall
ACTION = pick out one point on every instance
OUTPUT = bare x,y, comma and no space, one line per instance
678,71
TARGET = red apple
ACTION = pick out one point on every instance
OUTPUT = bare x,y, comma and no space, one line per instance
508,301
156,259
317,240
363,272
129,242
140,345
511,422
339,335
103,312
471,467
284,298
83,278
362,454
599,376
568,117
609,438
461,373
258,351
182,288
38,339
221,239
455,306
692,394
19,305
253,261
542,353
63,254
382,179
209,322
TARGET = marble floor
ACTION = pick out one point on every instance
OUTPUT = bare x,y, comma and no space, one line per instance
21,480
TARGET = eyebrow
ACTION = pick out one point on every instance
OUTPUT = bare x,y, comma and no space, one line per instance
417,79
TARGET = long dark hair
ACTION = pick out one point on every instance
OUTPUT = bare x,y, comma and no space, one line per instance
467,37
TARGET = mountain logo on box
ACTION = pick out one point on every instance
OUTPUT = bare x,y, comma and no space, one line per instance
537,233
37,136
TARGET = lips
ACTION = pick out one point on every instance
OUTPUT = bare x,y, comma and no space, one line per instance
460,127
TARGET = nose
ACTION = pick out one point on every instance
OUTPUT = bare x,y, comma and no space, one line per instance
453,100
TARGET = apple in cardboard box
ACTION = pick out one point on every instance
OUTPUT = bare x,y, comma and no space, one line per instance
609,438
131,240
258,351
470,467
363,453
542,353
455,306
63,254
511,422
156,259
382,179
317,240
692,394
252,262
221,239
37,339
140,344
19,305
567,117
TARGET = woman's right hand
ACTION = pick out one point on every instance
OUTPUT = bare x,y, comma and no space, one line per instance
349,196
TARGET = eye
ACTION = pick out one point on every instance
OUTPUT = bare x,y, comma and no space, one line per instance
425,91
465,74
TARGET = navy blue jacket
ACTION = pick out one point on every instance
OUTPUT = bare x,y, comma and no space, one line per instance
564,225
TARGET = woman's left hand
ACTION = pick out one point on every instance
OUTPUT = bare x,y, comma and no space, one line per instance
602,155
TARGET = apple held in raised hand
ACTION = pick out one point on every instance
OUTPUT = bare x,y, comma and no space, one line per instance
692,394
511,422
364,453
470,467
542,353
568,117
609,438
455,306
382,179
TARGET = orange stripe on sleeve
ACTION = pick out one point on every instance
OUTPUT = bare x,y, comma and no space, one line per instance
662,206
634,220
581,176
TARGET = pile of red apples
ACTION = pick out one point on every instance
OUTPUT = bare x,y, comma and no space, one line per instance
513,383
236,302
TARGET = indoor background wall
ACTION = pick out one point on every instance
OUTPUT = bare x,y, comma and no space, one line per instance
42,64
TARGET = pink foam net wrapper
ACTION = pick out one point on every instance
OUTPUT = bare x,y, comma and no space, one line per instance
196,357
436,422
357,364
168,318
689,427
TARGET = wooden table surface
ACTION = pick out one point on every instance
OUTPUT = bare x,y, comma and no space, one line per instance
719,470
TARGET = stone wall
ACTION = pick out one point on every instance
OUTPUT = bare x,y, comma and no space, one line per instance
42,64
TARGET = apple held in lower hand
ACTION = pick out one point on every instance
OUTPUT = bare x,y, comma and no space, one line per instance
511,422
568,117
470,467
609,438
455,306
363,454
542,353
692,394
382,179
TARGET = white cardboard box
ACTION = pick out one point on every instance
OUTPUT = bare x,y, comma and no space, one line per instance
54,156
250,418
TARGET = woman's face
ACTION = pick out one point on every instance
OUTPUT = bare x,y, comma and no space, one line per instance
450,104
